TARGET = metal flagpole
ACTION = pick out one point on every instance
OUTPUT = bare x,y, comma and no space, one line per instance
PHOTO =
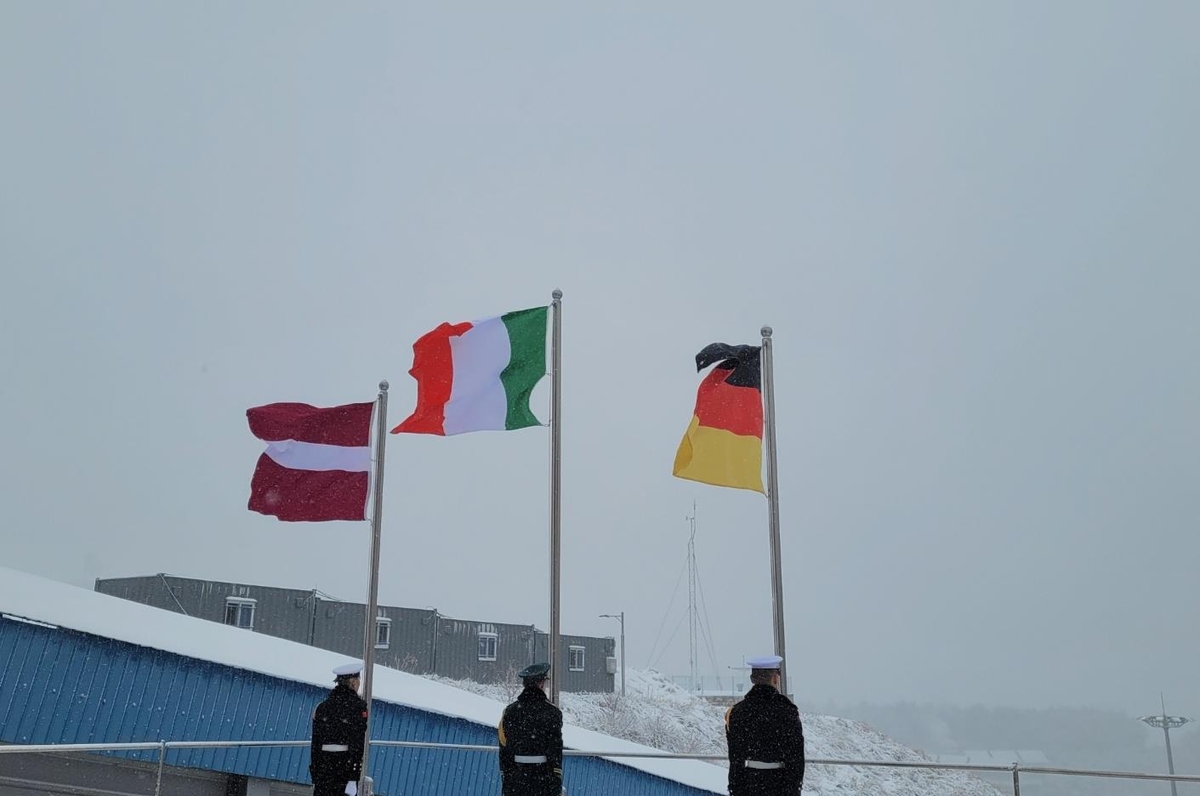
768,384
373,589
555,491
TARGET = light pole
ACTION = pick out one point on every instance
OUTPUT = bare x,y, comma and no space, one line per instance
621,618
1167,723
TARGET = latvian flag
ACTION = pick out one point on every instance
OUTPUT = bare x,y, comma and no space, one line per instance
723,443
317,463
478,376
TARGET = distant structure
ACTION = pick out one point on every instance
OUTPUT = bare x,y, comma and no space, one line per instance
995,757
420,641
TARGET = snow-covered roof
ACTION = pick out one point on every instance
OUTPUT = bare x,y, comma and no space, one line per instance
34,598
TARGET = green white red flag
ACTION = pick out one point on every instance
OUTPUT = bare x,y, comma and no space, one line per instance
478,376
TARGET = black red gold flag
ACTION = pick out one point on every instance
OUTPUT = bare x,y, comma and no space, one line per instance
723,443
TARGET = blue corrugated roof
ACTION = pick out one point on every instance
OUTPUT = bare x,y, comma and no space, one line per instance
65,686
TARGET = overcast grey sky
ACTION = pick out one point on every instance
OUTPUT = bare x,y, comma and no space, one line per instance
973,227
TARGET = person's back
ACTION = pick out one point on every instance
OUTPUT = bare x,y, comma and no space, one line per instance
530,734
766,740
338,734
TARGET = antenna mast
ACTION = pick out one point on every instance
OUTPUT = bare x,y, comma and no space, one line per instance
693,608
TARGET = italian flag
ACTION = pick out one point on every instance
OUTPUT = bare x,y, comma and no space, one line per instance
478,376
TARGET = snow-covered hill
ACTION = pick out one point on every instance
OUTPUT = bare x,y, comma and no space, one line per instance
659,713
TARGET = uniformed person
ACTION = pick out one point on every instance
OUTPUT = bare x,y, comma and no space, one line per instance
530,734
338,732
766,739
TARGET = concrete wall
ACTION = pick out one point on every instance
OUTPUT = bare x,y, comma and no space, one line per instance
91,775
80,774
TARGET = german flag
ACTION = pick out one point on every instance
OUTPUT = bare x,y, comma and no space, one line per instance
723,443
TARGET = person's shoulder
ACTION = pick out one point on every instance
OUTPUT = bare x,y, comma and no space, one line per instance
351,703
744,707
785,705
780,698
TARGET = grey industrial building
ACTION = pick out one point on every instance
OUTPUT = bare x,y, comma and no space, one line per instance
417,640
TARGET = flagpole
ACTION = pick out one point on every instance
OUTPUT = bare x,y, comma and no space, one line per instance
373,589
555,491
768,383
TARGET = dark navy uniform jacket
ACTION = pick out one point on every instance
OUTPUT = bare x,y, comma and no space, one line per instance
765,728
341,720
531,727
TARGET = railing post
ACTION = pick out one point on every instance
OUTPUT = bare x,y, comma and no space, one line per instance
1016,781
162,761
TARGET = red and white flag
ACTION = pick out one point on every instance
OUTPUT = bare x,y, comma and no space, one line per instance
317,465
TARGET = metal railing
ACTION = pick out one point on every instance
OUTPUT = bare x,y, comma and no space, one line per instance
1016,770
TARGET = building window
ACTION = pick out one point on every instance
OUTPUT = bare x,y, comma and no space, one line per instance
239,612
575,661
487,646
383,633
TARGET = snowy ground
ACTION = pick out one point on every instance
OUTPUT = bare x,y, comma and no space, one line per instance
660,714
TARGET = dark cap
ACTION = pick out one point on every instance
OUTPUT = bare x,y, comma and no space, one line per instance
535,671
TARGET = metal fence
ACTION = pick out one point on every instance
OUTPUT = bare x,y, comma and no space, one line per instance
1015,770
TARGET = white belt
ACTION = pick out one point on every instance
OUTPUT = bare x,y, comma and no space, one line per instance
530,758
763,766
334,747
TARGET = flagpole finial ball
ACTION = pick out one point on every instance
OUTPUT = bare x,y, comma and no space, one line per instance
383,386
766,331
557,294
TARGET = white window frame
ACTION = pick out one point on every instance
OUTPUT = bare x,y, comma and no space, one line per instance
240,604
495,645
571,650
385,624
